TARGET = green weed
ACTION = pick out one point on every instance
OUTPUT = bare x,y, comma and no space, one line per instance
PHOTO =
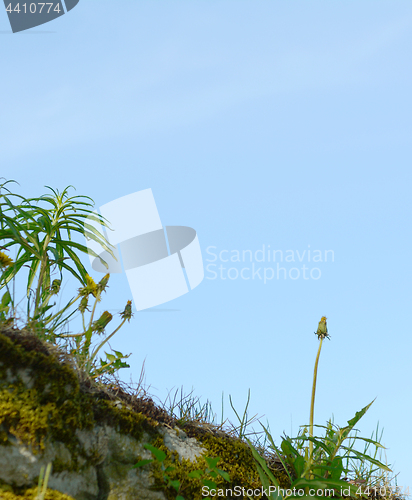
211,470
41,232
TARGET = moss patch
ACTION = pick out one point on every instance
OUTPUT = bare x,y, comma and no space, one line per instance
236,460
31,494
20,415
41,398
55,388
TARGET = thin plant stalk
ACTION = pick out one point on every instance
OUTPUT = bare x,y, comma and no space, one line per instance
94,354
321,332
312,402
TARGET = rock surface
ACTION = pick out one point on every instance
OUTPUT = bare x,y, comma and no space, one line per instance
93,438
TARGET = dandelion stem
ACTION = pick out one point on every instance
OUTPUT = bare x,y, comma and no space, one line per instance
94,354
94,308
312,403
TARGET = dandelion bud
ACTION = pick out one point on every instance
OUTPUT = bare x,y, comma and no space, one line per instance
99,325
103,283
127,313
55,287
83,304
322,331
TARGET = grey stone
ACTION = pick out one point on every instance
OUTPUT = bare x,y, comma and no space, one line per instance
177,440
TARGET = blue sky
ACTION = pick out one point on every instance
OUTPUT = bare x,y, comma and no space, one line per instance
258,123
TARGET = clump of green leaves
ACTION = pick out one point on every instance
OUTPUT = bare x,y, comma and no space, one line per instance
367,471
41,231
324,469
211,470
319,463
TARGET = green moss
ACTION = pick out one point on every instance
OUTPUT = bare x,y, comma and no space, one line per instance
20,415
41,399
45,401
189,487
123,420
236,460
53,406
31,494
